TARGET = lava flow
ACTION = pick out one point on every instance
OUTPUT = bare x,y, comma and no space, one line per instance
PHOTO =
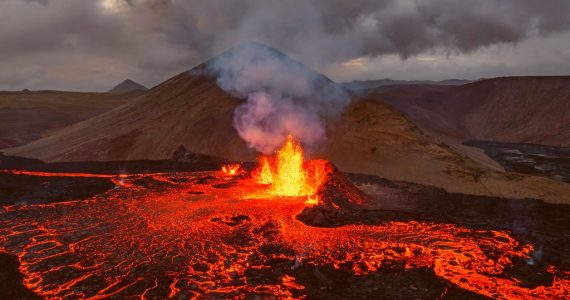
217,235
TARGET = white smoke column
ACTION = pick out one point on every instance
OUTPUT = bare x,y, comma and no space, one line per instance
264,121
283,96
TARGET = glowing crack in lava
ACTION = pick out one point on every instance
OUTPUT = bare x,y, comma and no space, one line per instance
182,235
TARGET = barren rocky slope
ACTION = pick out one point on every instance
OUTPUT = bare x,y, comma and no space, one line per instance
374,138
507,109
185,110
26,116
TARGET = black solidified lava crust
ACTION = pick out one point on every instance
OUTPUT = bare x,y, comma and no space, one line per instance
24,189
11,286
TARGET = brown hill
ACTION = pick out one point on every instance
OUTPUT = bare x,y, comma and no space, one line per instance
128,86
185,110
507,109
26,116
191,110
375,138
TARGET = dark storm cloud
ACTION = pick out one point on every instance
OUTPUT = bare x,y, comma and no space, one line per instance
90,44
38,26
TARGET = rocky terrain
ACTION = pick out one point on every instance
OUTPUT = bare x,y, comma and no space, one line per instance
548,161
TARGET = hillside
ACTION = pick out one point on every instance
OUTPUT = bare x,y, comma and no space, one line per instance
507,109
374,138
26,116
185,110
191,110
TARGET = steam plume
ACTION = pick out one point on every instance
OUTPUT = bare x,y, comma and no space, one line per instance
283,96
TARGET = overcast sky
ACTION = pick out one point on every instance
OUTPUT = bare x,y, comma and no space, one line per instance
91,45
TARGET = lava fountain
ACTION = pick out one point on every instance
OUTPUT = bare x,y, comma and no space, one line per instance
288,174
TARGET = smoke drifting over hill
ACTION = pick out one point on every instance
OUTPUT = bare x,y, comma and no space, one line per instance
114,39
283,96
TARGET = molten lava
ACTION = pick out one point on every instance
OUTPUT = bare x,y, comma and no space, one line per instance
232,169
201,234
289,174
263,173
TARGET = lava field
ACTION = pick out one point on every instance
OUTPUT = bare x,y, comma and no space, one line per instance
213,235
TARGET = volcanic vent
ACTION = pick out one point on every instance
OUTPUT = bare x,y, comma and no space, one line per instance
286,173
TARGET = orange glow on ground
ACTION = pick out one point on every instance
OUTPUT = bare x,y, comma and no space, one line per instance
187,239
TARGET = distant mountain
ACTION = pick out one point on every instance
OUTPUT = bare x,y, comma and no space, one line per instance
128,86
359,85
532,109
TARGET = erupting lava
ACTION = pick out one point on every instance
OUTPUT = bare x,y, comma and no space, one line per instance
202,234
288,174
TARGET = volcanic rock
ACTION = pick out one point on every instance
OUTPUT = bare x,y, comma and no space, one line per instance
11,279
339,193
183,155
336,195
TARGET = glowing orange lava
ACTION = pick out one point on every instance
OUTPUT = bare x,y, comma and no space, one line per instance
289,174
263,173
158,236
232,169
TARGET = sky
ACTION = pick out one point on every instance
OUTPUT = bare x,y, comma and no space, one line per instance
91,45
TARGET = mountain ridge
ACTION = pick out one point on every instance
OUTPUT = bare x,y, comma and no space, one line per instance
359,85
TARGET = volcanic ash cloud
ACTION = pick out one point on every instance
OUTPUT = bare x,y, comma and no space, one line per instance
283,96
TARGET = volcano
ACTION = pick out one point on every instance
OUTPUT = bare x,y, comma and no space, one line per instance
191,110
293,224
